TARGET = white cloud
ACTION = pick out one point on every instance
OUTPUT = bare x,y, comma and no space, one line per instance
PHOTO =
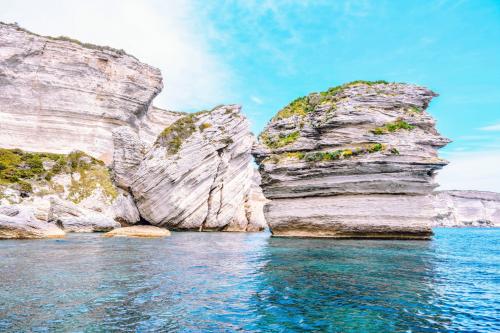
170,35
492,128
471,171
256,100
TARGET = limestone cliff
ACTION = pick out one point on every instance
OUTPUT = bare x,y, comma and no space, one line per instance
58,95
467,209
356,160
196,176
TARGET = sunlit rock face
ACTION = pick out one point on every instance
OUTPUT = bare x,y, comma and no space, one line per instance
59,95
196,176
467,209
354,161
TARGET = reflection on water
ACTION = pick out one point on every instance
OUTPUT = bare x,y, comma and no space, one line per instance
250,282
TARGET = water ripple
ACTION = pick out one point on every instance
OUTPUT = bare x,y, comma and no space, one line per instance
252,283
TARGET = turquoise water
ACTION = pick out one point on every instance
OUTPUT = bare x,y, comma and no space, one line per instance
199,282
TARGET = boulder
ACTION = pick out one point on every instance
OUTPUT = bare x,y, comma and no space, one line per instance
356,161
72,218
18,222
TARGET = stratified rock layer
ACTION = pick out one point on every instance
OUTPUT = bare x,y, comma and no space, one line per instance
196,176
354,161
467,209
59,95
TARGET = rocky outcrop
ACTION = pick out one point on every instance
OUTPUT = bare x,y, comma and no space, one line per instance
72,218
39,180
18,222
467,209
139,231
357,160
196,176
58,95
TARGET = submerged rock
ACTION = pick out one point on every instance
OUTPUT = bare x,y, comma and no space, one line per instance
467,209
18,222
59,95
145,231
196,176
354,161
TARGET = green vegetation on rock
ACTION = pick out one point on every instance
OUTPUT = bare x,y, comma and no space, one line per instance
173,136
303,105
280,140
393,127
22,170
320,156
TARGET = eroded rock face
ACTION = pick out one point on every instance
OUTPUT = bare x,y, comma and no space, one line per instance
196,176
467,209
19,222
354,161
59,95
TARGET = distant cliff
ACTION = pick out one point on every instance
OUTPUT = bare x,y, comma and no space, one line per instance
58,94
356,160
467,209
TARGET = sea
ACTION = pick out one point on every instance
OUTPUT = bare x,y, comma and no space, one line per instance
238,282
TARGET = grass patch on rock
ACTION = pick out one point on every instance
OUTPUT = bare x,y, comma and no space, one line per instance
25,170
303,105
321,156
173,136
279,141
393,127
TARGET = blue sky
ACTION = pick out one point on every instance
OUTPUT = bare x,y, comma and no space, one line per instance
263,54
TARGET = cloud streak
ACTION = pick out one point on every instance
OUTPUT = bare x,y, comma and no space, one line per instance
491,128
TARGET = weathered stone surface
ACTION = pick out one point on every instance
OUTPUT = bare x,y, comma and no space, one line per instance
72,218
254,205
59,95
197,175
363,141
143,231
18,222
467,209
155,121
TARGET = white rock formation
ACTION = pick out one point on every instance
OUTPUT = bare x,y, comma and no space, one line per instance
197,175
354,161
19,222
72,218
59,95
467,209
